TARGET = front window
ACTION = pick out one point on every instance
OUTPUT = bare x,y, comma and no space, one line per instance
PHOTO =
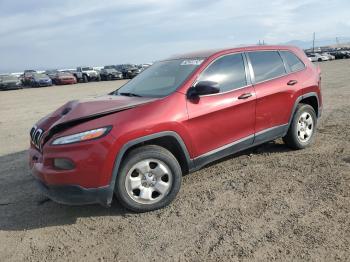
227,71
160,79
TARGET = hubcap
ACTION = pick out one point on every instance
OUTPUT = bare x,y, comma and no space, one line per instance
148,181
305,127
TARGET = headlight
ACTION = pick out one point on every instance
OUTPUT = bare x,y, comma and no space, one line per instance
83,136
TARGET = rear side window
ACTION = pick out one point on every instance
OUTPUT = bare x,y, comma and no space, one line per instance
228,71
266,65
294,63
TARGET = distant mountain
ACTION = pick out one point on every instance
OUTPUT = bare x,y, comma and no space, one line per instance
318,42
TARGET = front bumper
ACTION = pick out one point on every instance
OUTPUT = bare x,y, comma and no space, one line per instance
117,76
66,81
76,195
94,77
10,87
43,84
87,181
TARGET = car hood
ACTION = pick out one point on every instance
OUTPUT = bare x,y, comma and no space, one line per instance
78,111
90,72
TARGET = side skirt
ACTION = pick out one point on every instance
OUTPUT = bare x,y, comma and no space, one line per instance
240,145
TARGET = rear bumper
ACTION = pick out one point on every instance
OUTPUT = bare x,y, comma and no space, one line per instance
94,78
76,195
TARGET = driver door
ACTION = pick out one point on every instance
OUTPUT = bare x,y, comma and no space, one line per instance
222,123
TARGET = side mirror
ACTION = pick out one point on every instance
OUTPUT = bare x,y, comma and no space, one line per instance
203,88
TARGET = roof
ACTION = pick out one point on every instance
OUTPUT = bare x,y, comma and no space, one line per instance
208,53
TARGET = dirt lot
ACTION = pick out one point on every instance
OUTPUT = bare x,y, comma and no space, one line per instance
263,204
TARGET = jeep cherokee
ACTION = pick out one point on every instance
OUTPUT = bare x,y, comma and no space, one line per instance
174,118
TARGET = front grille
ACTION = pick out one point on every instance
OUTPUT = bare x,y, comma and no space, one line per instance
36,135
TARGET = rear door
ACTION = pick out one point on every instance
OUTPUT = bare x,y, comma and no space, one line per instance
275,91
217,120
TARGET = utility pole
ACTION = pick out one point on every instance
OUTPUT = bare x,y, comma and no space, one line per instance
313,43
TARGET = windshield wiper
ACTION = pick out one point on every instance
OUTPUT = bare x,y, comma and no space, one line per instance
129,94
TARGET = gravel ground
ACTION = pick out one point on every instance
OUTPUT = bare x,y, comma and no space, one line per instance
262,204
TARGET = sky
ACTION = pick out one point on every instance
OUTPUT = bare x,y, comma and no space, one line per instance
48,34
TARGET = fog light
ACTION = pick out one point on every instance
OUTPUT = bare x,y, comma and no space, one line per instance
63,164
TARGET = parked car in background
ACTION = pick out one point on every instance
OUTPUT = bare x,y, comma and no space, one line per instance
89,74
330,57
176,117
129,70
142,67
51,73
8,82
110,67
110,74
63,78
78,75
346,53
40,80
27,77
340,54
316,57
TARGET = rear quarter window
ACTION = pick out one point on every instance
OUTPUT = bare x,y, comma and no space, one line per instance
294,63
266,65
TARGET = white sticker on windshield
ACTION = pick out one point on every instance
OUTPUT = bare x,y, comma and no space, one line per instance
192,62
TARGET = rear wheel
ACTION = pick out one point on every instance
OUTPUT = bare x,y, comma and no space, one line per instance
301,132
149,179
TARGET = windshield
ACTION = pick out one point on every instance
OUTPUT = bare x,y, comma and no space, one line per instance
8,78
64,74
87,68
40,75
160,79
110,70
51,72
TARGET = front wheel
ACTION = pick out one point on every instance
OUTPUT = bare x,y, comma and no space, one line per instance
85,79
302,129
149,179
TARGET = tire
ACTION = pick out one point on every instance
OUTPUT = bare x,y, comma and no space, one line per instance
154,187
319,60
85,79
302,129
98,79
109,78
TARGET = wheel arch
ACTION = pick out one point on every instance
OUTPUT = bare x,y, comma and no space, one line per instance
310,99
167,139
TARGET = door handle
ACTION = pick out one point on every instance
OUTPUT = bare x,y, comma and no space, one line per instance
292,82
245,96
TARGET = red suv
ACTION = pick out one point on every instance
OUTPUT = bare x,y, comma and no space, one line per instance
174,118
